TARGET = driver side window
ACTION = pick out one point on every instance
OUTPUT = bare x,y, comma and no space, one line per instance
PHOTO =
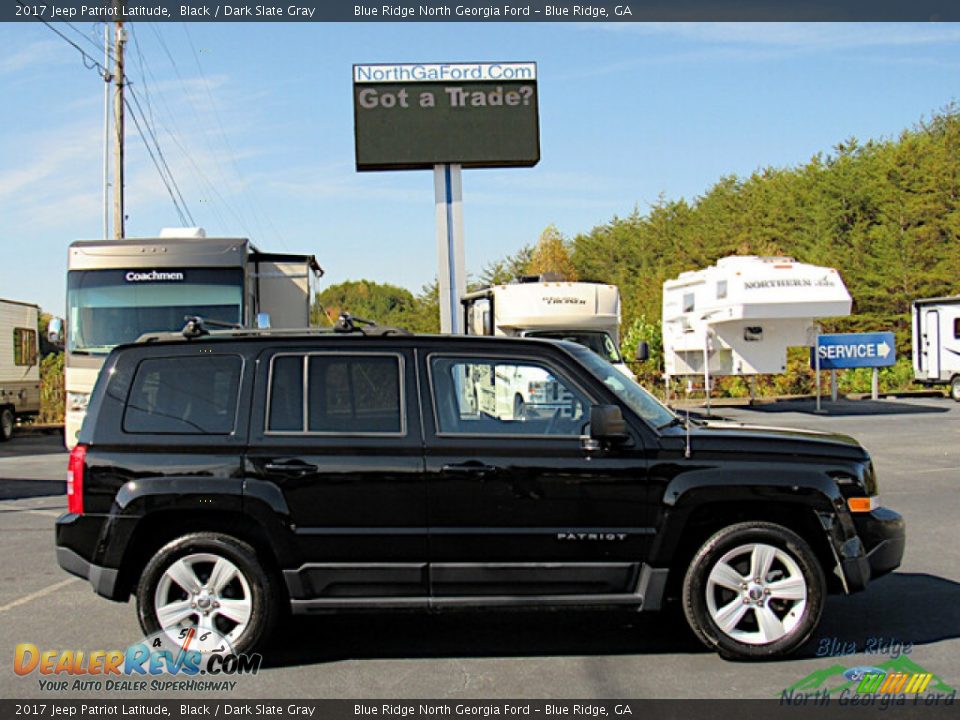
505,397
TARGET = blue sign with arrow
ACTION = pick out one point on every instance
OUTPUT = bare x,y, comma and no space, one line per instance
855,350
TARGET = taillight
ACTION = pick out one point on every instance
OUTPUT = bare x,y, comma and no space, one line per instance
75,467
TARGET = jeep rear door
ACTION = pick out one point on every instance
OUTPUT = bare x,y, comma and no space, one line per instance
336,434
517,505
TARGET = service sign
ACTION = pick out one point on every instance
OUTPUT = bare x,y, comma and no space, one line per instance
855,350
415,116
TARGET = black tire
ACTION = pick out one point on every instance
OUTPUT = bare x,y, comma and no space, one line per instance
7,421
955,388
264,589
746,640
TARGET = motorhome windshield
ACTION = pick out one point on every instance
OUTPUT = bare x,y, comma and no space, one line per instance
599,342
636,398
111,307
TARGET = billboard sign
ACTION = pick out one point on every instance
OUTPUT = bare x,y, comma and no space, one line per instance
854,350
417,116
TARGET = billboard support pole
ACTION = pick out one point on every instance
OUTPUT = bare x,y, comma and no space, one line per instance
816,356
875,384
451,275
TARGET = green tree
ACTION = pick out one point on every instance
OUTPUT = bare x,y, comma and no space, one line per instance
550,256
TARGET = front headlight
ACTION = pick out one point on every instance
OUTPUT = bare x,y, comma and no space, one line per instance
77,402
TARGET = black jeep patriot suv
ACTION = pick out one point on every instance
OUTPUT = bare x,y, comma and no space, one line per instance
223,478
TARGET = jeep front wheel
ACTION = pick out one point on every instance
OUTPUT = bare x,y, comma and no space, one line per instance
955,388
210,582
754,590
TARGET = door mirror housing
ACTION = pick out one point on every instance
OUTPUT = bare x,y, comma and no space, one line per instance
643,352
55,331
607,423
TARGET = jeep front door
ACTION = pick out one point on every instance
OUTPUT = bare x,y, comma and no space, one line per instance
518,503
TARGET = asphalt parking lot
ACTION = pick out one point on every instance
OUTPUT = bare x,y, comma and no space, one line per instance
914,613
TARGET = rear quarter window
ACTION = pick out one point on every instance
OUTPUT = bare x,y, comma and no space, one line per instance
184,396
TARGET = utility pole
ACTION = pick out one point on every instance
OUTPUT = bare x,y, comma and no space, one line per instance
119,81
107,78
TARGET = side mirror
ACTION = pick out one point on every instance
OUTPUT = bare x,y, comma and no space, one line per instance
643,352
607,423
263,321
55,331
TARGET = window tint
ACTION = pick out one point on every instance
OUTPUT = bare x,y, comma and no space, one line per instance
286,394
956,328
345,394
184,395
24,347
358,394
505,397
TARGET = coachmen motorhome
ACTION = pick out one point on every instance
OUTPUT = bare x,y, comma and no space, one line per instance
583,312
118,290
739,316
19,364
936,342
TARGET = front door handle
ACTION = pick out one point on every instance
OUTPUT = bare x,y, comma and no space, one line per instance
476,469
291,468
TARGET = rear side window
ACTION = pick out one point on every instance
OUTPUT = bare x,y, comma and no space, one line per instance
184,395
346,394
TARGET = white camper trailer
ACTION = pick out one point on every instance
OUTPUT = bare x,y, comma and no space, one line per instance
118,290
19,364
936,342
739,316
582,312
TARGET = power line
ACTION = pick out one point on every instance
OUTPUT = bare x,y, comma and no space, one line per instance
254,206
213,152
146,144
91,63
163,159
143,74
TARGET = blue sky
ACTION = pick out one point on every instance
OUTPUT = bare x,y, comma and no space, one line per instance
258,133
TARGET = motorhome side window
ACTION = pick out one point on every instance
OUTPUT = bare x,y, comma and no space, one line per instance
688,302
184,395
345,394
956,328
721,289
504,397
24,347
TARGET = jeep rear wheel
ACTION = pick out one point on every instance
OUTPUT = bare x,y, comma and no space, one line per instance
955,388
754,590
210,582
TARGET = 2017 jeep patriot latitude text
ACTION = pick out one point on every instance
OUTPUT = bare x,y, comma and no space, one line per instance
223,477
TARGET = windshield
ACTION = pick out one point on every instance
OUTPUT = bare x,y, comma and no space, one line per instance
599,342
629,391
111,307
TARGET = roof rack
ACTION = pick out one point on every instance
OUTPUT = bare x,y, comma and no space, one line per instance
198,327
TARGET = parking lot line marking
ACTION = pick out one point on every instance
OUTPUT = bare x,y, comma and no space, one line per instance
48,511
31,511
37,595
935,470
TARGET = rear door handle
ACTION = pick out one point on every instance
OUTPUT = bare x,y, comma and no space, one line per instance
468,469
291,468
